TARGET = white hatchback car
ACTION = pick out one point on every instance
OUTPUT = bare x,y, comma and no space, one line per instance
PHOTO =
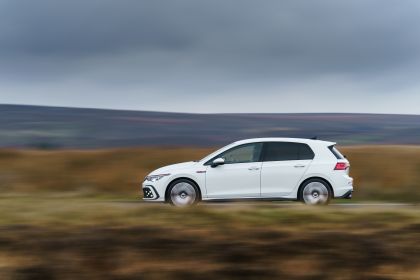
312,171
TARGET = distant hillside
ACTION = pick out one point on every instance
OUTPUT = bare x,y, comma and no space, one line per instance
56,127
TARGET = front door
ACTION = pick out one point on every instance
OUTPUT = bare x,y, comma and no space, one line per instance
239,177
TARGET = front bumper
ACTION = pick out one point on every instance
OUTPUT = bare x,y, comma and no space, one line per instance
150,193
154,191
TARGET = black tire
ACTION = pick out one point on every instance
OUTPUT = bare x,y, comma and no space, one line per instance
315,192
183,193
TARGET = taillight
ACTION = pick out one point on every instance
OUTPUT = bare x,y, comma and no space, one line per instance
341,166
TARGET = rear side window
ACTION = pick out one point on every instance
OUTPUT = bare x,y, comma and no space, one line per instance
281,151
336,152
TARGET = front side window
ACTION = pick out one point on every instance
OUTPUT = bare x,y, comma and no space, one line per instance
281,151
241,154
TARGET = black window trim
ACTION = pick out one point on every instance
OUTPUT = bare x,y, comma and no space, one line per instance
210,161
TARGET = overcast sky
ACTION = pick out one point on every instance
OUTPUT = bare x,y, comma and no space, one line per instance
212,56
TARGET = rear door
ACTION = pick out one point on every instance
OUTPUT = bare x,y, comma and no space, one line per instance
284,164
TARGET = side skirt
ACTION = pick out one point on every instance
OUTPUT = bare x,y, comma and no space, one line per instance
221,200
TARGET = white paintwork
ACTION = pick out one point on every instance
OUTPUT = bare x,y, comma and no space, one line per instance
279,178
241,180
276,179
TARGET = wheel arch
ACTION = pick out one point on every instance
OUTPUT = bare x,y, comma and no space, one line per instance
311,178
183,178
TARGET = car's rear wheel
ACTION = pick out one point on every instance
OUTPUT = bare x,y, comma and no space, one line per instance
315,192
183,193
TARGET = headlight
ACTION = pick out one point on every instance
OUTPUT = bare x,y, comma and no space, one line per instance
154,178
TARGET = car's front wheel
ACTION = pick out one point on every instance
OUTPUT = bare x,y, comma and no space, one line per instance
315,192
183,193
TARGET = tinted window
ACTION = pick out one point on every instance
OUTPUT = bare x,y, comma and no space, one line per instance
336,152
241,154
305,152
280,151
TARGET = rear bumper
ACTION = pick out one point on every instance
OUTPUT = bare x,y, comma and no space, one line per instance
347,195
343,186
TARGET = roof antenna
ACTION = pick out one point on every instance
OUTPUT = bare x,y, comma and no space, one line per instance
315,138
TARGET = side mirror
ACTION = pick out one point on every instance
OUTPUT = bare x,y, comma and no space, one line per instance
217,162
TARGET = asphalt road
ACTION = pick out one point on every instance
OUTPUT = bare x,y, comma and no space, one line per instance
281,204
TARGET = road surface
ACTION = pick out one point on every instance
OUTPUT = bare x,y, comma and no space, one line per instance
280,204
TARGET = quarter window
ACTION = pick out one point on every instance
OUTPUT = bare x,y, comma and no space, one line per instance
305,152
281,151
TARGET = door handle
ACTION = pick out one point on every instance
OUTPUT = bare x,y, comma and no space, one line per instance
299,165
253,168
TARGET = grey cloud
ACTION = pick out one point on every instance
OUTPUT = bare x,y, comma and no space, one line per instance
213,48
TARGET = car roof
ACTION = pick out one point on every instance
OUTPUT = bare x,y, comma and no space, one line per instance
310,142
278,139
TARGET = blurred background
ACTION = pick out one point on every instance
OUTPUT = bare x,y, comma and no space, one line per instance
95,94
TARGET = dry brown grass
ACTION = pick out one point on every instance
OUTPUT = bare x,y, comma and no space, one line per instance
385,172
87,238
45,234
380,172
118,171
